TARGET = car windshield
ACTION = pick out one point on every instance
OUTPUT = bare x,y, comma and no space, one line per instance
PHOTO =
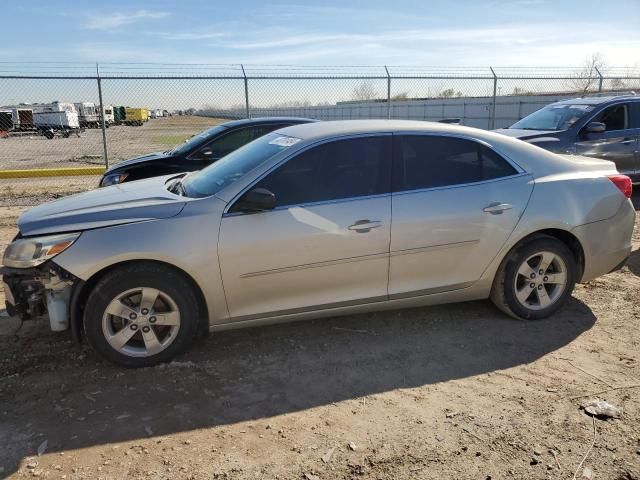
553,117
196,140
234,166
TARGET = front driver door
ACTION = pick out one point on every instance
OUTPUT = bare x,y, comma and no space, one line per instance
618,143
324,245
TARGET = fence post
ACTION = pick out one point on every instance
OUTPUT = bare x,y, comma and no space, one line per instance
492,120
600,78
246,92
104,131
519,109
388,93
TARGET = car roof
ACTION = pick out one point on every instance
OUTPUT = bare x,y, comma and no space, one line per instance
528,158
354,127
597,99
266,120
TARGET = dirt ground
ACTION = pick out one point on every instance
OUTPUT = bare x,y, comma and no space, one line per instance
448,392
36,151
30,152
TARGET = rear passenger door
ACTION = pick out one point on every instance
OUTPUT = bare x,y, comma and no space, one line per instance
635,124
619,143
455,202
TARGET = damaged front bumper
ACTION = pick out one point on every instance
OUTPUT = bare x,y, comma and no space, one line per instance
32,292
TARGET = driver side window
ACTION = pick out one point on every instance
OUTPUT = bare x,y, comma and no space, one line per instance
336,170
225,144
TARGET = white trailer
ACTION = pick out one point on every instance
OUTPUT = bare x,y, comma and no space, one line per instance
63,122
109,116
88,114
54,107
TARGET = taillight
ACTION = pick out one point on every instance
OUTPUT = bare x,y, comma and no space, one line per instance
623,183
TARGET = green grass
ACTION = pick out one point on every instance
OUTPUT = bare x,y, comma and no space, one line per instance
171,140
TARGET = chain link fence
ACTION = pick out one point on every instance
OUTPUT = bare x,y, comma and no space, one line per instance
61,124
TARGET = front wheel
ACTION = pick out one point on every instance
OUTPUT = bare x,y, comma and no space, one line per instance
141,315
536,279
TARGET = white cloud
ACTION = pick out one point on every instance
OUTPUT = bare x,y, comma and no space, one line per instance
189,35
545,43
118,19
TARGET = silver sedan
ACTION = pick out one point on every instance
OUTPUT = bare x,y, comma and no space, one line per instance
318,220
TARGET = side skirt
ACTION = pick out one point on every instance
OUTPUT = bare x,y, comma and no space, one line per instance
477,291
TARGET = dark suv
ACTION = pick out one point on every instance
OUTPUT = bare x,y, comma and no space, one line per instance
606,127
199,151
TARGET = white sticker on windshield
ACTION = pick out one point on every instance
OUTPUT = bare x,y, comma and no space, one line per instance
586,108
284,141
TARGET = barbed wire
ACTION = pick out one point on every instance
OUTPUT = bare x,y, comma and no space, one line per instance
218,70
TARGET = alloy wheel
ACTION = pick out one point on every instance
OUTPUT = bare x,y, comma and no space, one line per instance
141,322
540,280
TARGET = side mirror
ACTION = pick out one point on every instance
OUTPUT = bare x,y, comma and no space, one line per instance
256,200
595,127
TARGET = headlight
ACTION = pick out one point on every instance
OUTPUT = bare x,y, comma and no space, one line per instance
113,179
30,252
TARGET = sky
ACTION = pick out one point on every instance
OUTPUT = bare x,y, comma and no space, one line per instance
403,34
329,32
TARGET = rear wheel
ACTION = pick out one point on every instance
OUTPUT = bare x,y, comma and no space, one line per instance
536,279
141,315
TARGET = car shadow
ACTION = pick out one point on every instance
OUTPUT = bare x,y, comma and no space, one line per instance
78,400
634,262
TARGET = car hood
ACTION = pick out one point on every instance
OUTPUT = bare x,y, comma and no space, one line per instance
118,204
149,157
524,134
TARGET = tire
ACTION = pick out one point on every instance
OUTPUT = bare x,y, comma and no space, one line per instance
48,134
137,336
520,291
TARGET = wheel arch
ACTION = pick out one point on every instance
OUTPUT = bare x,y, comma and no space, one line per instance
83,289
565,236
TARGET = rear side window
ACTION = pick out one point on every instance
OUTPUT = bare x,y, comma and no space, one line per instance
615,117
337,170
261,130
422,161
229,142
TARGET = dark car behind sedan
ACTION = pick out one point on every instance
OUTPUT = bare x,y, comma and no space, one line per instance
606,127
199,151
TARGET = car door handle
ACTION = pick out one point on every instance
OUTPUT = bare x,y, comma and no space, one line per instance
364,226
497,208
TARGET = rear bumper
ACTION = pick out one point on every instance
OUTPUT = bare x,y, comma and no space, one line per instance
607,243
